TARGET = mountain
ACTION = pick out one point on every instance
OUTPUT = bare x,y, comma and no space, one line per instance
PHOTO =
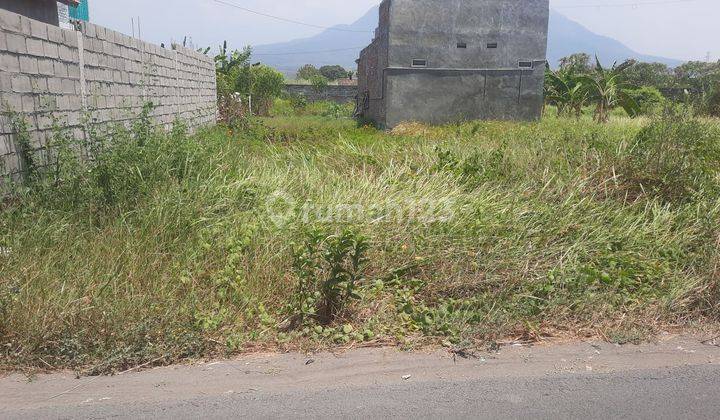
342,45
568,37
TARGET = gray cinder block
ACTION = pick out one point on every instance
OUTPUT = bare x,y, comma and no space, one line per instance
35,47
16,43
46,71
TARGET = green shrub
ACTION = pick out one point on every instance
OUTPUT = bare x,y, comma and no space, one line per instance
282,108
674,158
649,99
26,154
124,165
333,72
713,102
266,85
335,110
307,72
319,83
329,270
237,80
298,103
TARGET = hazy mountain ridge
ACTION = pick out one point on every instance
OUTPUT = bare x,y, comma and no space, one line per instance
568,37
343,47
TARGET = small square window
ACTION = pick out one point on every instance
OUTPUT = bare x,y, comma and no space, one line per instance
462,45
492,45
525,64
419,63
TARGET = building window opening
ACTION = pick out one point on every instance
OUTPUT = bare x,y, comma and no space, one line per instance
462,45
419,63
525,64
492,45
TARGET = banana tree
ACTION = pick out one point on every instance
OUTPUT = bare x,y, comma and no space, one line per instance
607,89
565,91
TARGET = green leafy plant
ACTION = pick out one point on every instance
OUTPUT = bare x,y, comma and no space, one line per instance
329,270
23,145
266,84
576,64
319,83
656,75
298,103
241,84
477,167
335,110
607,89
564,90
649,100
122,165
232,76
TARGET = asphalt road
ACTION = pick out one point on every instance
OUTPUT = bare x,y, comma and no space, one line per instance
675,379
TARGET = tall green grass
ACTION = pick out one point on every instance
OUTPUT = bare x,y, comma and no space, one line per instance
310,231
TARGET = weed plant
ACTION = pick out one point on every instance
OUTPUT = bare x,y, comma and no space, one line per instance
309,231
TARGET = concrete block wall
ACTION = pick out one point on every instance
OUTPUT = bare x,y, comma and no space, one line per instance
335,93
50,75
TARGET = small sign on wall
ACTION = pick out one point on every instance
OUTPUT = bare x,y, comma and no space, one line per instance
64,16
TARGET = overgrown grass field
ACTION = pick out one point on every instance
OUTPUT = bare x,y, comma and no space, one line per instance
309,231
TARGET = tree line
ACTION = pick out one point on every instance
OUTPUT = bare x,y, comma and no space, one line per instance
329,73
246,88
639,88
579,85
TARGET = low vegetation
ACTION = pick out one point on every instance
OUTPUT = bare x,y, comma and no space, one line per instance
579,82
305,230
244,90
328,73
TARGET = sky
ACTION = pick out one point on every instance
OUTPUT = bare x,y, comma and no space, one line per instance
681,29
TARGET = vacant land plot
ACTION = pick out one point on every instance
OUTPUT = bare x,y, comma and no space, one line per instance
302,231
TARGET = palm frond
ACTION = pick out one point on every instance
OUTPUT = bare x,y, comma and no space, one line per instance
628,103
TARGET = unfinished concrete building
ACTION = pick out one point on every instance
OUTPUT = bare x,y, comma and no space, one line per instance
43,10
440,61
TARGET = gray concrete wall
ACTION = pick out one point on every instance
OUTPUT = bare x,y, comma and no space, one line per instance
432,29
472,82
333,93
373,62
51,75
439,97
42,10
